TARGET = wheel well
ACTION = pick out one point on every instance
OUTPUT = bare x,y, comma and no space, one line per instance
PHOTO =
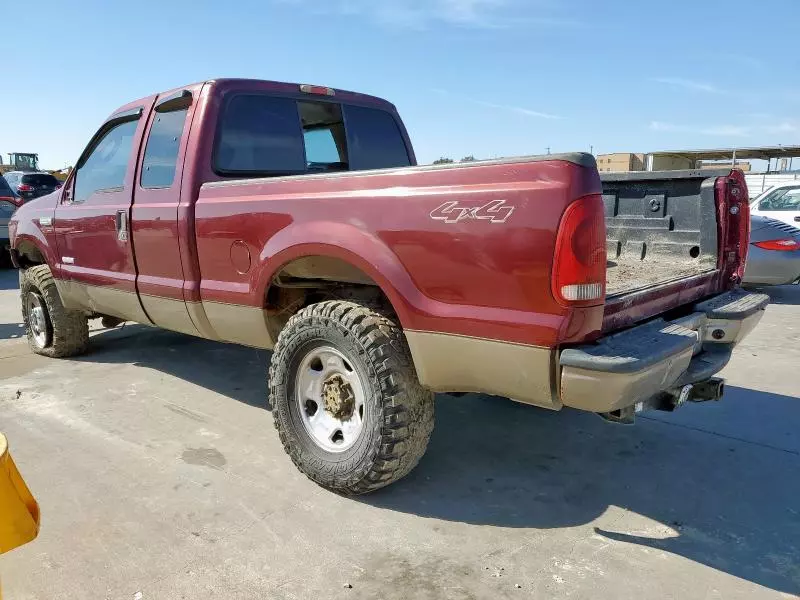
311,279
28,255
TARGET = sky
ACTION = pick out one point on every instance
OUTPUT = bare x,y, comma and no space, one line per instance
469,77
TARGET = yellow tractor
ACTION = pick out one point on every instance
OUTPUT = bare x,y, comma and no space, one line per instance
29,161
20,161
19,512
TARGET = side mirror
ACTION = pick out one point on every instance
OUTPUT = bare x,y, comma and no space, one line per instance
19,512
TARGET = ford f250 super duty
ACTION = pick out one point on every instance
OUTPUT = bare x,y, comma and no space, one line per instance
294,217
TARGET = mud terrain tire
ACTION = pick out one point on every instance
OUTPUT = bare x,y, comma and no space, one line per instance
398,413
53,331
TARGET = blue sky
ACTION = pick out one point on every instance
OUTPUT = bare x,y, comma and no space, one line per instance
482,77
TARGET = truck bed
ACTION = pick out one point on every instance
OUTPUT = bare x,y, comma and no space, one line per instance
661,227
630,275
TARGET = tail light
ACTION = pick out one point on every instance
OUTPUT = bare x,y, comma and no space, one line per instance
24,187
733,215
579,266
12,199
784,245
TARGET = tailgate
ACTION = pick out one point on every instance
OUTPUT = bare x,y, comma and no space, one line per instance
665,243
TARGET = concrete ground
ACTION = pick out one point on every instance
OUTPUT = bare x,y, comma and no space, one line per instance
160,475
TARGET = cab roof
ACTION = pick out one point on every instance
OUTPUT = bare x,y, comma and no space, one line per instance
277,87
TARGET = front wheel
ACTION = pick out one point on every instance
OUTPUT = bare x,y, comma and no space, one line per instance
346,401
52,329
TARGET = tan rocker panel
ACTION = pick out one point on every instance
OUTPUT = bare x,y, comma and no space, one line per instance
240,324
455,363
102,300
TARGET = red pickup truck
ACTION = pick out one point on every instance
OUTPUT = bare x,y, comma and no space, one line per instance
294,217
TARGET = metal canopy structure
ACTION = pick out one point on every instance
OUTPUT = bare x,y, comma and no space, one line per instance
760,153
683,159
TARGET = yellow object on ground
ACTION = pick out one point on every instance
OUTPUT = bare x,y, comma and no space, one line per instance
19,512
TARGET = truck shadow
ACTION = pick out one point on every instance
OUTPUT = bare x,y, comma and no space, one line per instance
9,331
781,294
9,278
234,371
728,503
717,484
784,294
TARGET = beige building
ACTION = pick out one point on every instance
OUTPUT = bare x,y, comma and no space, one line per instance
621,161
670,162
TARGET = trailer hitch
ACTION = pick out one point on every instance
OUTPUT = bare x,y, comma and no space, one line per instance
702,391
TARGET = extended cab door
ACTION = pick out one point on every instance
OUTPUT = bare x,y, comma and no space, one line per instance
97,269
154,215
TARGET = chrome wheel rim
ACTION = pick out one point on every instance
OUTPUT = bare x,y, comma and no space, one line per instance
330,399
37,320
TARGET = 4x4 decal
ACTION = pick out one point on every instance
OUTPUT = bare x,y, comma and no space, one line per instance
496,211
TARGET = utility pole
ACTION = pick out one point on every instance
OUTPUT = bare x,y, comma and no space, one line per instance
591,150
548,149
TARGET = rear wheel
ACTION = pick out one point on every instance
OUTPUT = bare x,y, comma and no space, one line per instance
346,401
52,329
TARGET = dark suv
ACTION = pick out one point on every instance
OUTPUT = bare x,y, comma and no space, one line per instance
28,186
8,204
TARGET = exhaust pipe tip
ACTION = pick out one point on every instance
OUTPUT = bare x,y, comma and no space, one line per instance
710,389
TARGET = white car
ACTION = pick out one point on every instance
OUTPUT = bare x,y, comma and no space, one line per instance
781,202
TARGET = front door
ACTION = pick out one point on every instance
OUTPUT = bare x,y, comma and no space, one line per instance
97,269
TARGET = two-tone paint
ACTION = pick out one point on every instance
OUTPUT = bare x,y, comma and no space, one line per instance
472,293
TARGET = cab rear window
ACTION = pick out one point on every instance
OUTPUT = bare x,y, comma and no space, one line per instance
374,139
263,135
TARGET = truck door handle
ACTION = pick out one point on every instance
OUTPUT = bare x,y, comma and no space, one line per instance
797,219
122,225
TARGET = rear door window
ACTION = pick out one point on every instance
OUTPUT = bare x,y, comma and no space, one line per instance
161,153
374,139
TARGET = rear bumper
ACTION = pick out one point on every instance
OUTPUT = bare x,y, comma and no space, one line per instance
638,364
768,267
